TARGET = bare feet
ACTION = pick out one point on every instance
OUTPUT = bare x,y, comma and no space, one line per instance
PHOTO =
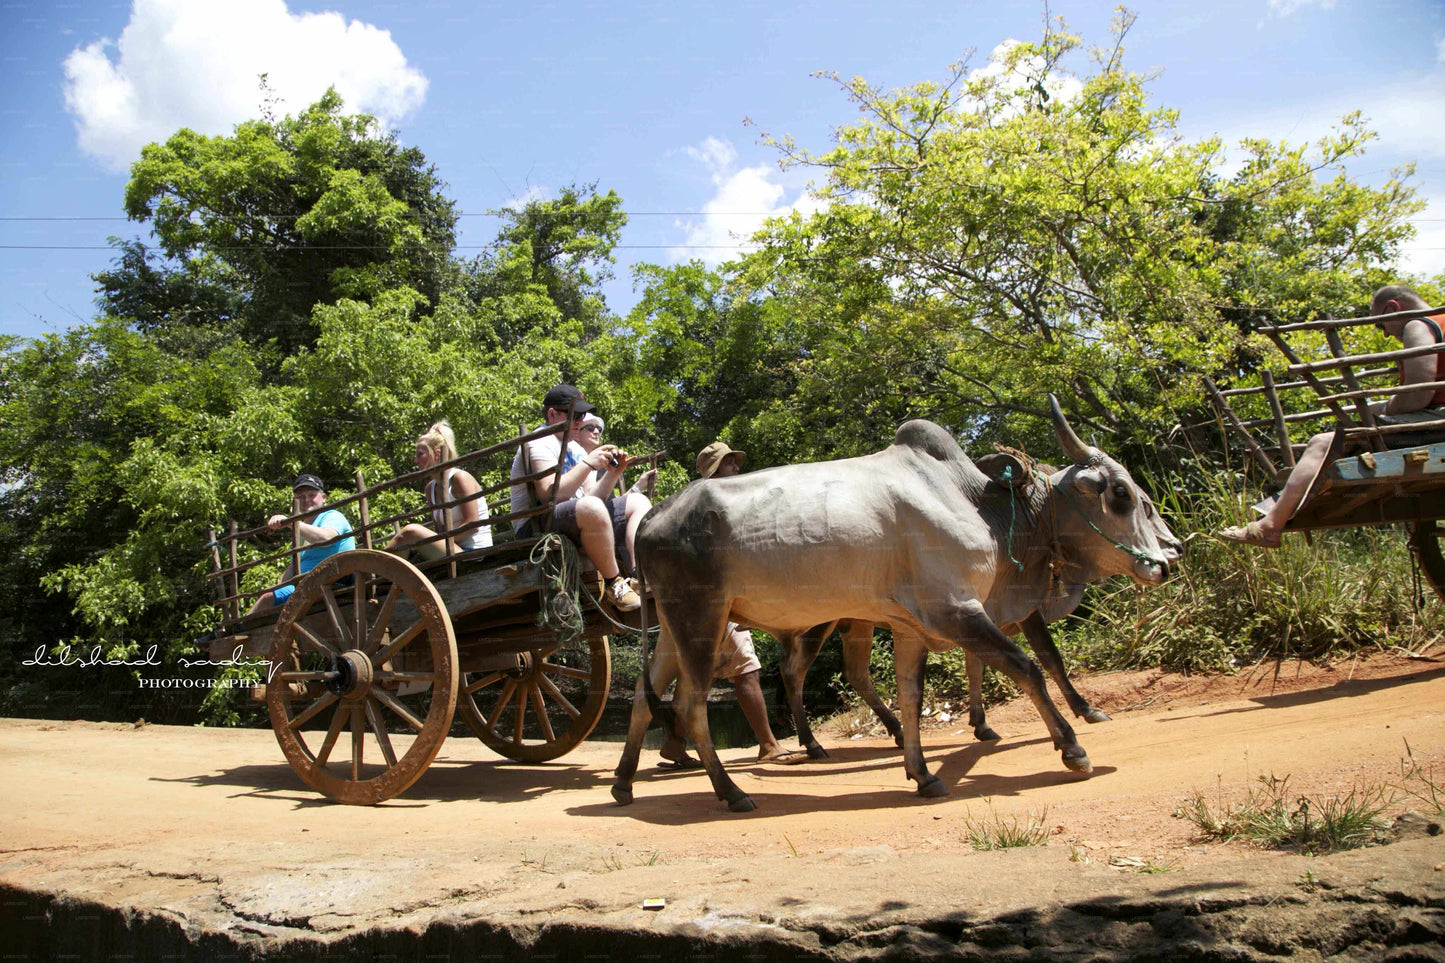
1252,534
785,757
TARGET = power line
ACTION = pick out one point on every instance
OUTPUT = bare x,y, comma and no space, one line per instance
82,217
365,247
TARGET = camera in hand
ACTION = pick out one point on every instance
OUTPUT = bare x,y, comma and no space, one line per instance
614,461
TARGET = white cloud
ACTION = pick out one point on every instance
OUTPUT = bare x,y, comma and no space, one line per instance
743,198
195,63
1283,8
1060,86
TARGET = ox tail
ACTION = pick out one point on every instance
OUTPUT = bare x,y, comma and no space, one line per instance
662,713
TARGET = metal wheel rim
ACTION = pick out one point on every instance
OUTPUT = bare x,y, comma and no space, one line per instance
372,707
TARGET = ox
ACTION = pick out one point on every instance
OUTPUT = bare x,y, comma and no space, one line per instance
1045,577
905,537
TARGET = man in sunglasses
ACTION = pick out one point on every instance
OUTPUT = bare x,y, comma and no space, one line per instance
600,525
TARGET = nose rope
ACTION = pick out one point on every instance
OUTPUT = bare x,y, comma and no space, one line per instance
1133,552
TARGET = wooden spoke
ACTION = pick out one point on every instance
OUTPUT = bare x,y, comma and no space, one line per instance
431,661
383,620
540,707
502,701
557,696
483,682
378,727
303,634
520,716
405,676
397,644
546,706
337,622
338,719
567,670
358,740
385,698
316,708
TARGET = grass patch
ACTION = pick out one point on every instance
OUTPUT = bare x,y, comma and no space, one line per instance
1270,815
1421,785
1006,832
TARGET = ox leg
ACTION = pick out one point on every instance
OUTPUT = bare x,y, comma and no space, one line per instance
695,665
662,670
799,651
981,728
857,648
1042,642
909,657
980,636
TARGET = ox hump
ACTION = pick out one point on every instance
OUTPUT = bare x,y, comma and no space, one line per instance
929,439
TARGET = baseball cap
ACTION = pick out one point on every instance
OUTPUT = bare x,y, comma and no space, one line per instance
309,481
712,456
563,395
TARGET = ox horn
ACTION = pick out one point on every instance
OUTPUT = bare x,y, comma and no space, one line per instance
1077,451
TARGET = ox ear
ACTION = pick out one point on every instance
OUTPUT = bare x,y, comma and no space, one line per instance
1078,452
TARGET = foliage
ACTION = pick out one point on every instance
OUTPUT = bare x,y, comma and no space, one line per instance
1271,815
259,226
1019,226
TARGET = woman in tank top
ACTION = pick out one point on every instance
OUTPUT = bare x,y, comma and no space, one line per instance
466,522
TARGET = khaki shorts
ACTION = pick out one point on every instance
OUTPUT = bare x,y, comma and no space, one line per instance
736,656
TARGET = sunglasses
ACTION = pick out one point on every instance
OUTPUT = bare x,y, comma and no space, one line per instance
592,428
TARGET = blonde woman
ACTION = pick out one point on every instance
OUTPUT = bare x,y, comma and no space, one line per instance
466,522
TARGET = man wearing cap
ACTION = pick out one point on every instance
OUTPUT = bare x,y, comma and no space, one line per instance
596,523
308,495
736,660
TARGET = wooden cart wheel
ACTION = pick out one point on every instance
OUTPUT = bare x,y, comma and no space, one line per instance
351,686
545,707
1425,540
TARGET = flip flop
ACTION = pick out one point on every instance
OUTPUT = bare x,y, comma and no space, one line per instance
1251,534
792,757
680,765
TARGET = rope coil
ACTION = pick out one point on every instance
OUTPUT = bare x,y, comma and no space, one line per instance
558,608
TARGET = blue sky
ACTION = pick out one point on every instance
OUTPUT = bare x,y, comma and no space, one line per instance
647,98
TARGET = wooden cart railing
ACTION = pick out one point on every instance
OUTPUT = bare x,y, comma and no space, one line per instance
372,643
1398,474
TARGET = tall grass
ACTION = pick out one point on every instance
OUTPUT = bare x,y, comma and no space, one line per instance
1314,598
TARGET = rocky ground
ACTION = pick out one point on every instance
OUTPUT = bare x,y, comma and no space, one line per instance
181,843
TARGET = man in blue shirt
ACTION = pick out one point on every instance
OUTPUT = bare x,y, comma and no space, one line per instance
308,495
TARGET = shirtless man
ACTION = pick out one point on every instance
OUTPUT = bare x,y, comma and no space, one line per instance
1425,404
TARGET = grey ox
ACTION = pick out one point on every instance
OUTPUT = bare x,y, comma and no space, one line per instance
909,537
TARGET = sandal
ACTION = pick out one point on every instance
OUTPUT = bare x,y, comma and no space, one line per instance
684,764
1252,534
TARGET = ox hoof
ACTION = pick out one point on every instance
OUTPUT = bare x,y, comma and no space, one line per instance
1095,715
816,751
985,734
1076,759
932,789
623,795
742,804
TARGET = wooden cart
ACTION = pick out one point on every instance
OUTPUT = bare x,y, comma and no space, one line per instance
1376,473
371,648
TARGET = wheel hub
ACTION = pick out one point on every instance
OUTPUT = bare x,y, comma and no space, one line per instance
350,675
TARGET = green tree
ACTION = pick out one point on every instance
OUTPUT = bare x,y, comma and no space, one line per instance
1019,229
278,217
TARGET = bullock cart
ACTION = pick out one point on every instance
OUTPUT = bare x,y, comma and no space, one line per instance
1376,472
370,659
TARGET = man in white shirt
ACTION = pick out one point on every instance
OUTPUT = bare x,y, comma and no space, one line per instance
581,512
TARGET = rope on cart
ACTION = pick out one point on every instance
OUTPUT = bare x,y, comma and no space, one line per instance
559,609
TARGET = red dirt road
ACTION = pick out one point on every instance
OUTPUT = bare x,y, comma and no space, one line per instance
210,829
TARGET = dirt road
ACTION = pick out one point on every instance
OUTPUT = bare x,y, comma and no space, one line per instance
192,842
